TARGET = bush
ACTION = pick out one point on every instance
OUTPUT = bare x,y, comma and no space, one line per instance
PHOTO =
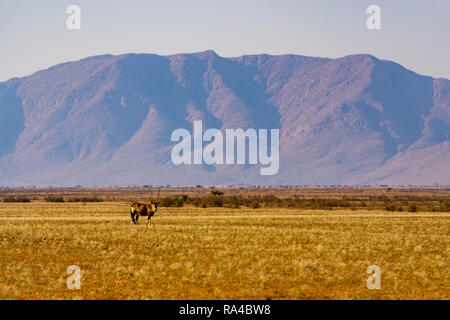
54,199
83,199
390,207
444,205
16,199
177,201
216,193
412,208
213,201
196,201
233,202
166,202
254,204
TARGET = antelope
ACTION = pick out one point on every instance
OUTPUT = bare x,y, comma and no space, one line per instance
144,209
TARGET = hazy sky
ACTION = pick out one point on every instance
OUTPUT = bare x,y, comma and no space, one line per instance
33,34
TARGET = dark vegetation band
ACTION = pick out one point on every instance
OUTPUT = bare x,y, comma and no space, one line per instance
217,198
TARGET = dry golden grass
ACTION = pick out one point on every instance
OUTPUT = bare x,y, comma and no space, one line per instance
218,253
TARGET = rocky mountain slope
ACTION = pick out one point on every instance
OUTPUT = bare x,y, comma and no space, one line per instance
107,120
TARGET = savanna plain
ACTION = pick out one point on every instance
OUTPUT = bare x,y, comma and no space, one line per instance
229,243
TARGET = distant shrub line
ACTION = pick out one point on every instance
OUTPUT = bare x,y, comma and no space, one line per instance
217,199
16,199
80,199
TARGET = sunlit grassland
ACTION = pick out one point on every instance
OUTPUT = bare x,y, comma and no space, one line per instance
219,253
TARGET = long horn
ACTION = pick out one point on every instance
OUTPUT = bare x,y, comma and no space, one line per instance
151,195
159,190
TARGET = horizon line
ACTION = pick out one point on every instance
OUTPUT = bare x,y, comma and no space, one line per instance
211,51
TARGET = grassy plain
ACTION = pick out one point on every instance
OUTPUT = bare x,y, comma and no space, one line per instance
221,253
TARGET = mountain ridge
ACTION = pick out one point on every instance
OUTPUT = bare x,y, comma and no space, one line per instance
107,120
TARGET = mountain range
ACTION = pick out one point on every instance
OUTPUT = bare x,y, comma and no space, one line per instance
107,120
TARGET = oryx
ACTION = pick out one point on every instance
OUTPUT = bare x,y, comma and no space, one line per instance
144,209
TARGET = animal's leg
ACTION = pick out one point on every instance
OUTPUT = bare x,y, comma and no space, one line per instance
132,217
148,220
137,218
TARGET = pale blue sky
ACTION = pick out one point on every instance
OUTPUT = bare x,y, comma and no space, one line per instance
33,34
